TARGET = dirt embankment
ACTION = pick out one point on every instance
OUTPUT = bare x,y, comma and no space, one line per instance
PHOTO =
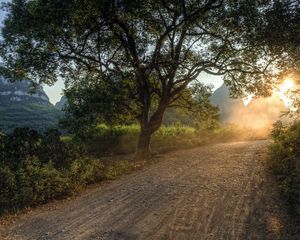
213,192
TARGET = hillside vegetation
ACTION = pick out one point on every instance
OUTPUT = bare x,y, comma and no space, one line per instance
40,117
23,105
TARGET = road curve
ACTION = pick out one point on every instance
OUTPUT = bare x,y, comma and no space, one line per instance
213,192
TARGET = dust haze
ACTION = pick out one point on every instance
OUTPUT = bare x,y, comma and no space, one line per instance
259,115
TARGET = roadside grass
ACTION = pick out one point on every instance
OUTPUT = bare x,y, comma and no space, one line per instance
122,139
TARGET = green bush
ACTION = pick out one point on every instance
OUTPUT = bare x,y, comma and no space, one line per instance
84,171
284,161
35,168
121,167
24,142
30,183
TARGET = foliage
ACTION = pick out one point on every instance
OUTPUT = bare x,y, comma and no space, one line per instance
121,167
94,100
30,183
85,170
281,34
195,104
35,168
285,161
48,147
54,37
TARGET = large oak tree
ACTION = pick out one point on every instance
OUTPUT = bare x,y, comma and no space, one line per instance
152,49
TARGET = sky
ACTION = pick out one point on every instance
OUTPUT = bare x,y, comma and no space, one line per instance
55,92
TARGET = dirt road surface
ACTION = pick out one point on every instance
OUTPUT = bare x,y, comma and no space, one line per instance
213,192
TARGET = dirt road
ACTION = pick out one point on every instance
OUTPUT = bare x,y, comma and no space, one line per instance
213,192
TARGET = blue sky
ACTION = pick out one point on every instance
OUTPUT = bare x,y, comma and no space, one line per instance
55,92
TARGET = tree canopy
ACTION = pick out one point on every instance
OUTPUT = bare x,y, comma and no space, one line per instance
151,50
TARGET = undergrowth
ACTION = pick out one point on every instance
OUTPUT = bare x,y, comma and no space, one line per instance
284,161
35,168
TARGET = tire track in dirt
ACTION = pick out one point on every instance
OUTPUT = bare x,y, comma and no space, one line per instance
213,192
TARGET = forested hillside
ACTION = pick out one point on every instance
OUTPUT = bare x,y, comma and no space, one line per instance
21,106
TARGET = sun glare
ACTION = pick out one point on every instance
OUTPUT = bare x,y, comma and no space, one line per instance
283,92
287,85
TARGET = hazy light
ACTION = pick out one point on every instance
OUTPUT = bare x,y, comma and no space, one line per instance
247,99
287,85
284,93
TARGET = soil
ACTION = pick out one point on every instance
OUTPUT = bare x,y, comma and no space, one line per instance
222,191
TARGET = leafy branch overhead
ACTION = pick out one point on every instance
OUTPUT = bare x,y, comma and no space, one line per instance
174,41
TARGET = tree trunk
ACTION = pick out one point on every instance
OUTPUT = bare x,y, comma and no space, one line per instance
148,127
143,148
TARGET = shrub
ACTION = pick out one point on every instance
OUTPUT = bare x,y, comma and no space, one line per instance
85,170
24,142
284,161
35,168
8,187
121,167
29,184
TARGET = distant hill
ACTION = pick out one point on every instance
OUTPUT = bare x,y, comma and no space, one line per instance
20,108
226,104
61,103
259,113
